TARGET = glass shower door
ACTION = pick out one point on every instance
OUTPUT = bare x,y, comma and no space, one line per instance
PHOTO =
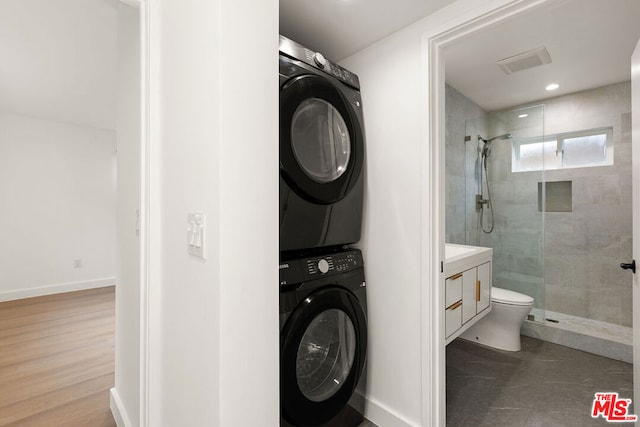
503,200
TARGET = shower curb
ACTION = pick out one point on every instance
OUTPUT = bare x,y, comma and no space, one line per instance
554,333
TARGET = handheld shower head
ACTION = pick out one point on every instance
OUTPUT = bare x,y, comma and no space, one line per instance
486,148
489,141
505,136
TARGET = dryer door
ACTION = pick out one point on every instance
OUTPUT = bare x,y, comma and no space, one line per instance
321,140
323,351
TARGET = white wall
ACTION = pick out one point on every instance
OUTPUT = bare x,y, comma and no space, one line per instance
214,338
57,186
402,388
126,392
59,60
391,231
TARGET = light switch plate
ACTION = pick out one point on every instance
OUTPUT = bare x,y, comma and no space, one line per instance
196,222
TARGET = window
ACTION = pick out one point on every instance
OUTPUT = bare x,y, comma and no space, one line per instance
566,150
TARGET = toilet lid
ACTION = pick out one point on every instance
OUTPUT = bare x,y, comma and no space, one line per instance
506,296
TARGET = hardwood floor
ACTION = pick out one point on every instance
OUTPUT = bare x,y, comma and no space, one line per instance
57,360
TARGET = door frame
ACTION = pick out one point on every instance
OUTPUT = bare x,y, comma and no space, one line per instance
635,177
149,207
433,43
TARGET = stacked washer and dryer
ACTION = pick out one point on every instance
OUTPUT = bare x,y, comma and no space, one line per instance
323,309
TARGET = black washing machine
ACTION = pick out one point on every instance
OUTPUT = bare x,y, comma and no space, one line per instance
321,151
323,339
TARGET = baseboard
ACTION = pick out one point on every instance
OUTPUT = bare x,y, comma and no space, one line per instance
380,414
117,409
56,289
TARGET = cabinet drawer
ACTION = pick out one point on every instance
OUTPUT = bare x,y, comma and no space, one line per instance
453,318
453,289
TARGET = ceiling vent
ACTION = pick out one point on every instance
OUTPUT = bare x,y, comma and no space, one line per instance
523,61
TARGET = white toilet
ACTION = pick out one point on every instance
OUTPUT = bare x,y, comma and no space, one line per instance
501,327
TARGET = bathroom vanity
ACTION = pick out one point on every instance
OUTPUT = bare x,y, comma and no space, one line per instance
467,287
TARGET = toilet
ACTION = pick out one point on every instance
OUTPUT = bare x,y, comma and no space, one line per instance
501,327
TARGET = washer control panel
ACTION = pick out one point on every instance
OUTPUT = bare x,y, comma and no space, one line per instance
300,270
336,263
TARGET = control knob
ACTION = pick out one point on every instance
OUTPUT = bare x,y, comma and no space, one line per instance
319,59
323,266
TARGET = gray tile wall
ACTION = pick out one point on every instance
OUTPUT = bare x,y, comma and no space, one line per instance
458,109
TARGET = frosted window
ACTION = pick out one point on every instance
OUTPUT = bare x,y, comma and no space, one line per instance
579,149
538,155
585,150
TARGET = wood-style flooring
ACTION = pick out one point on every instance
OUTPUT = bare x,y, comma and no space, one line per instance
57,360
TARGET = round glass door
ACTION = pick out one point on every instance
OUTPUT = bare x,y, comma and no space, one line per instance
322,355
320,140
325,355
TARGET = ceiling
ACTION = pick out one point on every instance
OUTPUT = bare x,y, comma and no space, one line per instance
59,57
59,60
340,28
590,43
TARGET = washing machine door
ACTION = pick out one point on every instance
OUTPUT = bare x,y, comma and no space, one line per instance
323,351
321,139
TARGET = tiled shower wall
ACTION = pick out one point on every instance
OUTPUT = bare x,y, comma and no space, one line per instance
458,110
578,253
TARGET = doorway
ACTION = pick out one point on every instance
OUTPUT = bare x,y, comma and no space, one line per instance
491,21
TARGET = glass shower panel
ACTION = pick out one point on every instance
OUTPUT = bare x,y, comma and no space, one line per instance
501,204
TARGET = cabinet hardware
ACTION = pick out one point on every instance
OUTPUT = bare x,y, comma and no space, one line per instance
457,276
455,305
478,290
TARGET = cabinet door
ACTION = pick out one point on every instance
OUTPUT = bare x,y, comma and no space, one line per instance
484,280
468,294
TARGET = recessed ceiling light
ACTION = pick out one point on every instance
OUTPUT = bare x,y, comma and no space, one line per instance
522,116
552,86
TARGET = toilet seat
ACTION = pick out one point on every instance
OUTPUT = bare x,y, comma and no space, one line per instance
505,296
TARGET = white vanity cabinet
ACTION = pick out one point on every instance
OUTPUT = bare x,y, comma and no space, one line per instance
467,288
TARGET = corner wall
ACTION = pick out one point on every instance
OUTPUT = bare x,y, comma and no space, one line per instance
126,392
58,192
214,337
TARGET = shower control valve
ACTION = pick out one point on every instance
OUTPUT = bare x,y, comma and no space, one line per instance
480,202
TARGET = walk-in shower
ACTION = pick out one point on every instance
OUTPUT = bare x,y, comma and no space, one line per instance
558,225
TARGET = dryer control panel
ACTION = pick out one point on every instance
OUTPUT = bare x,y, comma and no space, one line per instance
300,270
317,60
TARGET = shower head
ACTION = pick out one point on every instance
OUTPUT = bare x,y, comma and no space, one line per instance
489,141
486,149
505,136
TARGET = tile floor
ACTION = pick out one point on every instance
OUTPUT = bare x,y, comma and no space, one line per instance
544,384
